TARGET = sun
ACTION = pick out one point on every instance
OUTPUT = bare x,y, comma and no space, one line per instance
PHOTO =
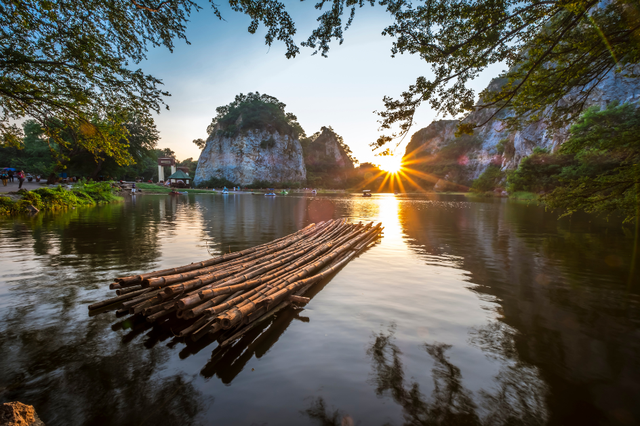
390,163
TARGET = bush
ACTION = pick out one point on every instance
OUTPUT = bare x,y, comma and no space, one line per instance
49,199
488,180
268,143
254,112
538,172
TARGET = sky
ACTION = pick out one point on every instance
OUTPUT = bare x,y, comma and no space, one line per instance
341,91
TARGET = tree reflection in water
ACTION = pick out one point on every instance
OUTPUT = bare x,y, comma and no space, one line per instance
322,414
518,400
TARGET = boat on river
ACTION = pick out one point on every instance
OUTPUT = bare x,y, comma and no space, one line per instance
366,193
270,194
284,192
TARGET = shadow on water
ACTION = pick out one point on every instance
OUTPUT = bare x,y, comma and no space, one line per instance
565,306
517,400
228,361
562,325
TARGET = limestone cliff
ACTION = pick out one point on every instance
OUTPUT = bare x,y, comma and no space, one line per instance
493,142
326,148
254,155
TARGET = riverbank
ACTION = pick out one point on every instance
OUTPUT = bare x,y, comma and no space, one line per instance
56,198
152,188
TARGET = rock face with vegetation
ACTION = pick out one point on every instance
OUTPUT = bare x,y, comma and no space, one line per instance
252,140
460,160
328,159
253,156
326,148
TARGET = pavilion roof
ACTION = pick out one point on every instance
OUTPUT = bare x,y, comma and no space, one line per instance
179,174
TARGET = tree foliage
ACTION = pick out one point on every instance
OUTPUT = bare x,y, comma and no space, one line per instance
605,174
556,52
488,180
254,112
539,172
42,155
71,61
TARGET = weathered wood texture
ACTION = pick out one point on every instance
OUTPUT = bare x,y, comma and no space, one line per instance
236,291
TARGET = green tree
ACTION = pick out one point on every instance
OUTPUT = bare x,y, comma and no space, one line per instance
200,143
191,164
605,176
488,180
254,111
72,61
539,172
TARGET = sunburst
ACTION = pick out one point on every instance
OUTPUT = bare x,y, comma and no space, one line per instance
390,163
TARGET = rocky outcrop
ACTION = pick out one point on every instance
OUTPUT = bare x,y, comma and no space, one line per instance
18,414
326,149
254,155
495,143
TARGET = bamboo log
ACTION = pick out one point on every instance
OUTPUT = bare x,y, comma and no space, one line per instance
126,290
136,279
244,262
116,299
257,317
299,300
238,289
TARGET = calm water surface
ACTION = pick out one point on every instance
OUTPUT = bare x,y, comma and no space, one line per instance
468,312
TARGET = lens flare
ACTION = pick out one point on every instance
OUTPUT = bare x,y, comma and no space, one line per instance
390,163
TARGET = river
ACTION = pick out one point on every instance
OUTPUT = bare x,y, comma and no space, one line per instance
469,311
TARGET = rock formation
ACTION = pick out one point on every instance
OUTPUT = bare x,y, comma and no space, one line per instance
251,156
18,414
327,159
327,148
494,142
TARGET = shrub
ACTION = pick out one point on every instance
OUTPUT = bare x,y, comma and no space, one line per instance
538,172
488,180
268,143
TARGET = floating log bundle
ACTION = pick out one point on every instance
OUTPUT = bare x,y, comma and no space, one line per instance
232,291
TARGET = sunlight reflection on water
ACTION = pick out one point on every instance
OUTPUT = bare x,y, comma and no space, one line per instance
458,305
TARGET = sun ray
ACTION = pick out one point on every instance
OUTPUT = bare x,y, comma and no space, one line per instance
383,182
371,179
413,182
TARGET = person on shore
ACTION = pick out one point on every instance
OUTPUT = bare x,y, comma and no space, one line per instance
20,178
11,176
5,177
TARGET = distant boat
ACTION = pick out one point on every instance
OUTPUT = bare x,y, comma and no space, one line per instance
283,192
225,192
314,192
366,193
270,194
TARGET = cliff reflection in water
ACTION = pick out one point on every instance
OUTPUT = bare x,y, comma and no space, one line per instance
565,307
502,315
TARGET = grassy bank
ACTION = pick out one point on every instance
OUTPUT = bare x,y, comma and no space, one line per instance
158,189
524,195
58,198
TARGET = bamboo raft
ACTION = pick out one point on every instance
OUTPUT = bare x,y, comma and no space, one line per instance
235,291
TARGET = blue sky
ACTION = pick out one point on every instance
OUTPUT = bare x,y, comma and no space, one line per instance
341,91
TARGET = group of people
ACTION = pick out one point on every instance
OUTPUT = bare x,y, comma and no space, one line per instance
9,175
